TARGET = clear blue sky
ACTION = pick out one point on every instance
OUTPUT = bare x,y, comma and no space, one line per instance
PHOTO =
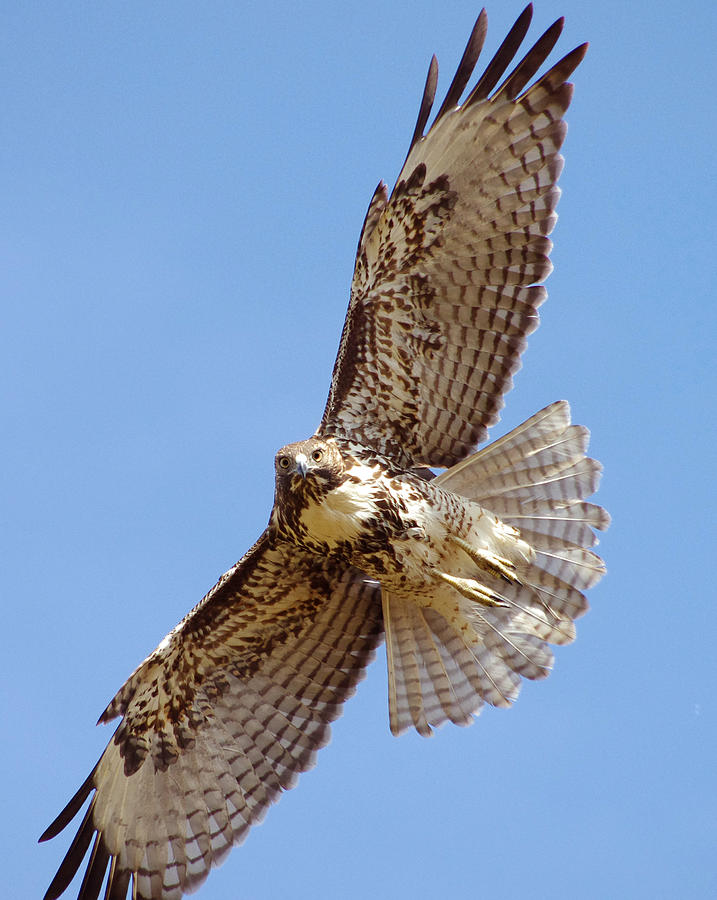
182,189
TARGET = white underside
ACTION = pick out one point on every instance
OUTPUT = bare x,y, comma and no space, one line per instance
344,511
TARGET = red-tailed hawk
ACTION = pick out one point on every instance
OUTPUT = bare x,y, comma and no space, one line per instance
469,575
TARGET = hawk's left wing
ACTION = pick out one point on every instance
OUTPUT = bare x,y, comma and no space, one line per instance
218,720
446,284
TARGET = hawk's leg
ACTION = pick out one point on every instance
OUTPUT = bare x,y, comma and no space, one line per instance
497,566
473,590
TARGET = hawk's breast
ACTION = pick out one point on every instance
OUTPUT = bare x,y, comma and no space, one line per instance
343,514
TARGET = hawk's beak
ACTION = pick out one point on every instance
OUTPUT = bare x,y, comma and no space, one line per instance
301,464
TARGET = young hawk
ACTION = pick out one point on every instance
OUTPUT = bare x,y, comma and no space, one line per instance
470,575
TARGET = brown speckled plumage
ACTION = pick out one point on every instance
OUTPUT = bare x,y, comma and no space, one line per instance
470,574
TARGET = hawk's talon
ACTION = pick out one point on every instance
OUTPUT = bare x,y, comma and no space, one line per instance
474,590
497,566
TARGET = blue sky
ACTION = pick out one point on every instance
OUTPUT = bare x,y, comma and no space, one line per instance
183,187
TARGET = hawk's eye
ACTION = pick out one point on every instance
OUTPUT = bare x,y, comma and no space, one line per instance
284,462
317,455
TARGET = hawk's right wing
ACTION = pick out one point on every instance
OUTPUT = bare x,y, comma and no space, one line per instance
448,270
219,720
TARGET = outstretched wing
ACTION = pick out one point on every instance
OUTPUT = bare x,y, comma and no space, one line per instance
446,283
218,720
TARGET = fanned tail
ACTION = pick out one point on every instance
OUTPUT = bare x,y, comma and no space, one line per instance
534,479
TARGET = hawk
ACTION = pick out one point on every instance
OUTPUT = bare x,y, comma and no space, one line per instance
469,575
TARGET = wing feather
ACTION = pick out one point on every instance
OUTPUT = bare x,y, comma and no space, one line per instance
503,56
465,68
218,721
463,234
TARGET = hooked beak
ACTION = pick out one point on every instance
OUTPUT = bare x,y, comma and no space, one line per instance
301,464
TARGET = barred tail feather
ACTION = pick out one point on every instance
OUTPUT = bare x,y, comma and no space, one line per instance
534,476
534,479
433,675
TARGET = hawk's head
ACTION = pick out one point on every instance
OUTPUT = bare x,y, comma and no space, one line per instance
313,466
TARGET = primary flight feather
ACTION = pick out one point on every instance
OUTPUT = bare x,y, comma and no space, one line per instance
469,575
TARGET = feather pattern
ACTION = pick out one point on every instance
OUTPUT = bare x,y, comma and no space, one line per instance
534,479
258,670
445,288
472,574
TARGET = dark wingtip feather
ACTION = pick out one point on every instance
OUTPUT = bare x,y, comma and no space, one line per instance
73,859
572,60
532,61
562,69
429,95
503,55
71,810
95,872
466,65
